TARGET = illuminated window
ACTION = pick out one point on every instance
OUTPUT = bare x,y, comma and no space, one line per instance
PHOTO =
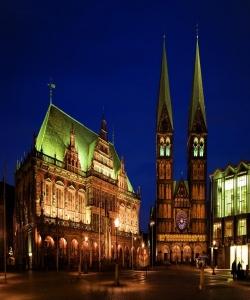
241,193
195,147
229,193
47,194
217,230
218,212
59,197
71,201
201,146
228,229
162,147
168,145
242,227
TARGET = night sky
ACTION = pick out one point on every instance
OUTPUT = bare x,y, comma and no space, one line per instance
106,55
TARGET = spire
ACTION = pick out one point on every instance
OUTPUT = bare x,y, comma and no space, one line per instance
72,136
164,111
197,99
104,131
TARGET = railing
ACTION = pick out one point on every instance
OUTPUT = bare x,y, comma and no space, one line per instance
65,223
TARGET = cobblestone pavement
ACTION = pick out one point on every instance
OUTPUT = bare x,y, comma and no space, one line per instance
172,282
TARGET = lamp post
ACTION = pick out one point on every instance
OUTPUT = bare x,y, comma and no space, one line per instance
143,257
80,258
152,223
132,250
212,256
117,224
85,254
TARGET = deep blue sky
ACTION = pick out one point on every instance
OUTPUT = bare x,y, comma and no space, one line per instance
108,53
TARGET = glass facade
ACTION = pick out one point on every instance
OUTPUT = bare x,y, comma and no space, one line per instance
242,227
218,206
239,254
217,230
229,196
228,229
241,194
230,191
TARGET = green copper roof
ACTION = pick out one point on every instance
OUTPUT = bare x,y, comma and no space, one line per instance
164,100
197,100
54,137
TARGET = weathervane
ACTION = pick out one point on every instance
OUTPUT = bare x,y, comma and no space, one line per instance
51,86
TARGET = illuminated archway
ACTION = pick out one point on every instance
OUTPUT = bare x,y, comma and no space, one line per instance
176,254
187,252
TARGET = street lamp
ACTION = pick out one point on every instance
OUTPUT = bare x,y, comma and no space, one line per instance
152,223
132,250
117,224
143,253
212,256
85,254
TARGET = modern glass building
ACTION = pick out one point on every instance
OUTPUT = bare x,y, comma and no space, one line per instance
230,199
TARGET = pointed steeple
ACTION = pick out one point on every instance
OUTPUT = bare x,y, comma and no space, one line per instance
164,110
197,99
103,130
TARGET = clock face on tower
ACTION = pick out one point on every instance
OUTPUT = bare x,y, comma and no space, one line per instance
181,220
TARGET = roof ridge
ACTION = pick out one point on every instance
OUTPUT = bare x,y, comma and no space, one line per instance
74,119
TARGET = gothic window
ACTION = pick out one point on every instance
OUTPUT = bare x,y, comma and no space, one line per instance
201,147
168,146
47,193
162,147
195,147
59,197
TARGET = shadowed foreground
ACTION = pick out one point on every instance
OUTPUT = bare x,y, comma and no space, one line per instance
174,282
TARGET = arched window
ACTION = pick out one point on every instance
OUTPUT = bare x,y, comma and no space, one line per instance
195,147
162,147
201,147
168,145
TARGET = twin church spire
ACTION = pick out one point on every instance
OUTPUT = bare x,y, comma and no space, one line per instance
197,106
164,113
181,205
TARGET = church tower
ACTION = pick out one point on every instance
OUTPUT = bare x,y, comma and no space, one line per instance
197,151
164,153
180,231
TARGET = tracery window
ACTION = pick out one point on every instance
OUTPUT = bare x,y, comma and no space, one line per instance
47,193
195,147
201,147
59,197
168,145
162,147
